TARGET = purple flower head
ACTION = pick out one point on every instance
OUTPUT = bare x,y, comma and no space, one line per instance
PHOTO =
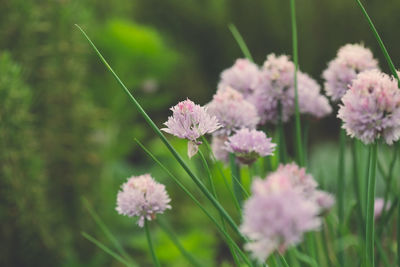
219,149
142,196
232,111
242,76
351,59
190,121
275,86
272,222
248,145
378,207
311,101
371,108
291,176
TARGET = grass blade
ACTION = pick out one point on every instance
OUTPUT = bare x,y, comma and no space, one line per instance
106,249
239,39
380,42
179,159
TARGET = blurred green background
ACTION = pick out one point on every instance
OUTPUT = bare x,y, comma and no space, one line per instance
67,130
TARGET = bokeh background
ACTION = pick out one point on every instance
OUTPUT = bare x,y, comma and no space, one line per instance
67,130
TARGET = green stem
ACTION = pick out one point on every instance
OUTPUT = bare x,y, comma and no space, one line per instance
381,44
340,189
239,39
150,243
219,227
236,180
299,148
369,248
139,108
356,187
172,236
281,137
398,236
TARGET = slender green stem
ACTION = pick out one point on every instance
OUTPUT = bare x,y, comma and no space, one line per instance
369,249
340,189
239,39
299,148
236,180
172,236
195,179
107,250
150,243
398,236
221,172
381,44
106,231
219,227
281,137
389,179
357,188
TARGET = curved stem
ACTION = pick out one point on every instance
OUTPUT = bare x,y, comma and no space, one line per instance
236,182
239,39
340,189
150,243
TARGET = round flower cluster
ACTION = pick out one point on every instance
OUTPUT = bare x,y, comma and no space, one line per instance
232,111
275,89
270,220
142,196
248,145
371,108
242,76
190,121
351,59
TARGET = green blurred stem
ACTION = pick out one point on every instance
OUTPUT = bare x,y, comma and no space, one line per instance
239,39
217,224
211,182
299,148
369,248
172,236
281,137
340,189
106,249
356,185
390,178
236,180
381,44
150,243
179,159
106,231
398,236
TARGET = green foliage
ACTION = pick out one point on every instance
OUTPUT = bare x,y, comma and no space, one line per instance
23,204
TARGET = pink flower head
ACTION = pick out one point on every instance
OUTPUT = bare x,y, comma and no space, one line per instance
275,86
142,196
311,101
274,221
248,145
351,59
242,76
232,111
371,108
190,121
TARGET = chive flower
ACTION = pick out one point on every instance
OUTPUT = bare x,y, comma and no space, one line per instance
370,109
249,145
242,76
350,60
190,121
232,111
219,149
143,197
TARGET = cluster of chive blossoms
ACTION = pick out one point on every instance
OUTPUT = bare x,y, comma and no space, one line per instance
270,220
371,108
248,145
190,121
275,90
351,59
142,196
